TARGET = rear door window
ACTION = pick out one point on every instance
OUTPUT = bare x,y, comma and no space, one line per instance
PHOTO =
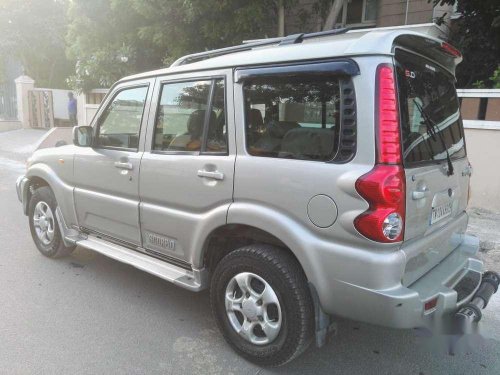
430,115
292,118
191,117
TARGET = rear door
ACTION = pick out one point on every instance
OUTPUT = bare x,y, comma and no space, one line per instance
186,182
436,166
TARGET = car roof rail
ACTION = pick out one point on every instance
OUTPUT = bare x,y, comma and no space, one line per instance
287,40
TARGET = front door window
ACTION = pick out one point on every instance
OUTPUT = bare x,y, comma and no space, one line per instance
120,124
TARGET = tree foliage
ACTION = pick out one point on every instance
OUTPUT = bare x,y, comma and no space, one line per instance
32,32
477,34
108,39
113,38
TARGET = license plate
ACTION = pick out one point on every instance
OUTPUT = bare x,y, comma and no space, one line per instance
440,212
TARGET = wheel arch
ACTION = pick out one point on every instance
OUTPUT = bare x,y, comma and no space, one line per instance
230,237
34,182
247,224
42,175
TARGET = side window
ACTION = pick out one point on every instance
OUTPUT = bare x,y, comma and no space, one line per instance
293,118
183,114
120,123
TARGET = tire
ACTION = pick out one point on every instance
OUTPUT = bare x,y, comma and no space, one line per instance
256,265
51,244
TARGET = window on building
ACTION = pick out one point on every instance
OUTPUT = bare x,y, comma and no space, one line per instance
359,12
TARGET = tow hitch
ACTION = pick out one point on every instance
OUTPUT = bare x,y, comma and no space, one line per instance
471,312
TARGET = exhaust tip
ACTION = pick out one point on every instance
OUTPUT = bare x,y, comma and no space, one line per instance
492,278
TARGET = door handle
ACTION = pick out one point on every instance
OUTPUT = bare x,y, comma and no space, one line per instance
124,165
216,175
420,193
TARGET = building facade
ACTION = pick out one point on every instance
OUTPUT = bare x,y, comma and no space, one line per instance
306,16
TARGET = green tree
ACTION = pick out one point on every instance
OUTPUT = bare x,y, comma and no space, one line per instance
477,34
184,26
113,38
32,32
103,39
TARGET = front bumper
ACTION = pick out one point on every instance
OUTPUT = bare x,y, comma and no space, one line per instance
403,306
22,191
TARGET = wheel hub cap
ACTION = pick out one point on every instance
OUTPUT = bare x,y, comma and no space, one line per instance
250,309
253,308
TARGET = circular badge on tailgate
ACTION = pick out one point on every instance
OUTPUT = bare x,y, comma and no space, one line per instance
322,211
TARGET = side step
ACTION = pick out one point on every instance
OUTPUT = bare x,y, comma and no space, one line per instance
193,280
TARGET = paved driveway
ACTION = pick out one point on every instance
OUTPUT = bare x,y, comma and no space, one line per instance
88,314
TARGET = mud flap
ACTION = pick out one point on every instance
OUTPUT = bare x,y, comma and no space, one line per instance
325,327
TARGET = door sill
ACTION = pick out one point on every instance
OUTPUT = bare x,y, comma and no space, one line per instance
194,280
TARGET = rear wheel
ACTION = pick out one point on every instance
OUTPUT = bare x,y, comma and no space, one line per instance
44,226
261,302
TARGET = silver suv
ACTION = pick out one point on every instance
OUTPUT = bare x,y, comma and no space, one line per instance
297,178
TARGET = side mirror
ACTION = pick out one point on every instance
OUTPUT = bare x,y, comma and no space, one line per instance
82,136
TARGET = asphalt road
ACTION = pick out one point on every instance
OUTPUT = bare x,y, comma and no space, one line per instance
88,314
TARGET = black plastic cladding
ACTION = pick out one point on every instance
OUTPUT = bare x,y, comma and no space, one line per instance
348,126
343,67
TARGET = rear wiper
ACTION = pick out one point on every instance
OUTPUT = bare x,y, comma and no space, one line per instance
432,133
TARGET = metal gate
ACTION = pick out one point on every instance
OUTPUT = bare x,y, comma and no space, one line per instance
41,108
8,105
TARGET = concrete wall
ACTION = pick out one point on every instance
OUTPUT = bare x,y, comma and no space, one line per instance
60,102
88,104
483,149
6,126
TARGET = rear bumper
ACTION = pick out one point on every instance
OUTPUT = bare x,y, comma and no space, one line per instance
453,281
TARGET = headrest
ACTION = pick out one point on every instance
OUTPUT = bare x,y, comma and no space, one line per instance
255,120
278,129
308,143
195,122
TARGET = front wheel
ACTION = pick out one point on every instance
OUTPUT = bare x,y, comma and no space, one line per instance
261,302
44,226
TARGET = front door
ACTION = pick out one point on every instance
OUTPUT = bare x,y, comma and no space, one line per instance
186,183
107,175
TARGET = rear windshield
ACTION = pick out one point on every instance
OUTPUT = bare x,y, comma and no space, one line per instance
292,117
430,114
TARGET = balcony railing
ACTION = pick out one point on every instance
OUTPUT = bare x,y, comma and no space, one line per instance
480,108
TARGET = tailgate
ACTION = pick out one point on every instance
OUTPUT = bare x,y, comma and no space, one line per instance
436,167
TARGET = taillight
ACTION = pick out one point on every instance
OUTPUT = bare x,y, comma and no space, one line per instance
448,48
384,186
384,189
387,118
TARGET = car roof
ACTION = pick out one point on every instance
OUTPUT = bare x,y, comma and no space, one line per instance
377,41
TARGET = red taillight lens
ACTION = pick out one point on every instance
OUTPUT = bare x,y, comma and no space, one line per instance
384,186
448,48
387,116
431,304
384,189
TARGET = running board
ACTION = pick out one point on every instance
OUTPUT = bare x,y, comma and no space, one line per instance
194,280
